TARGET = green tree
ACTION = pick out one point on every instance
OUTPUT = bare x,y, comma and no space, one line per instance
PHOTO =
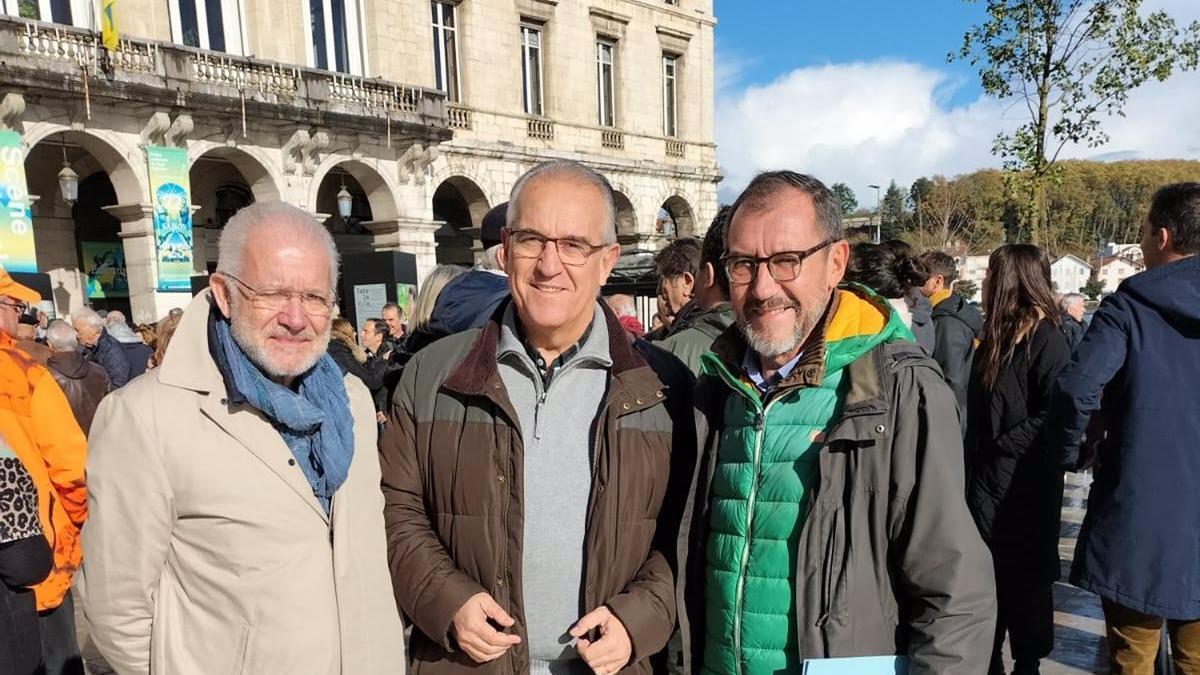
1072,63
894,217
967,288
846,196
918,195
1092,289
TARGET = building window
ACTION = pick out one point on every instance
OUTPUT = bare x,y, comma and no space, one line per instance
67,12
445,50
669,95
605,89
336,35
207,24
531,69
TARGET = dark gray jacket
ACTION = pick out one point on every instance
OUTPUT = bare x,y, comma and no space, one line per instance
111,356
888,537
689,344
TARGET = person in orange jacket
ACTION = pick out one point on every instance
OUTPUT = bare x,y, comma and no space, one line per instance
37,422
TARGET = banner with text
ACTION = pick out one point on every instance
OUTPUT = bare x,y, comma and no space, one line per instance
16,217
169,193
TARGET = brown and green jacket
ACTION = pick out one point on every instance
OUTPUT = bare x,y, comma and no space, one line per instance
452,463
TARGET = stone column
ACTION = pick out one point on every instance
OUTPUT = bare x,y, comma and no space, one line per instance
137,238
410,235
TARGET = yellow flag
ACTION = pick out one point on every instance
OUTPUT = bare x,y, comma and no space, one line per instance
108,23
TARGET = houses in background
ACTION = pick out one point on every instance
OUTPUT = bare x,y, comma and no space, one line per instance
1069,274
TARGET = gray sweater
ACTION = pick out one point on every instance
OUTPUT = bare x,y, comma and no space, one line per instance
557,433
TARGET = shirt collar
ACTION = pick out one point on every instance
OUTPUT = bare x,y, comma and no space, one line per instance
591,346
750,366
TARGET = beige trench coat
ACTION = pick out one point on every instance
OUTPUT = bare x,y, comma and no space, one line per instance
206,552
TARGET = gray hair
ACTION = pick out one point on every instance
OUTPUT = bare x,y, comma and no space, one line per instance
61,336
88,317
422,310
770,183
622,305
231,247
566,168
114,316
1071,299
490,260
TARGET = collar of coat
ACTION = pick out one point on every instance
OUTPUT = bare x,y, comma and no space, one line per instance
730,348
630,373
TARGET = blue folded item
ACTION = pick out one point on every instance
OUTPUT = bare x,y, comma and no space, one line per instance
866,665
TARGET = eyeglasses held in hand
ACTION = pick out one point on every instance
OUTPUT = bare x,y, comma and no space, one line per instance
783,266
530,244
276,300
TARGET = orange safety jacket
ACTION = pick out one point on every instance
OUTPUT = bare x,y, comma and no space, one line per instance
37,423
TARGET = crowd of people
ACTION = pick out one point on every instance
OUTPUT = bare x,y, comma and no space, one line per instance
821,451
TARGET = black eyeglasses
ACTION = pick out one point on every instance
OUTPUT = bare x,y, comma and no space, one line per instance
18,307
275,300
783,266
530,244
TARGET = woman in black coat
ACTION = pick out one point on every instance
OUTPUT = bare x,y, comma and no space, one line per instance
25,560
1014,489
352,359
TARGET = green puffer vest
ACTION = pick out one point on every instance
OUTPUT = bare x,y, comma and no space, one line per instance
767,469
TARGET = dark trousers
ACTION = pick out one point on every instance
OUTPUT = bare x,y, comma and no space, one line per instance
1026,615
60,648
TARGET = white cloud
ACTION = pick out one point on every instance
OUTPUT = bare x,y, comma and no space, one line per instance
864,123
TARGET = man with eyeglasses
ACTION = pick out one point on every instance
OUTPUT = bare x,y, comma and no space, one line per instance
526,467
828,516
37,423
237,519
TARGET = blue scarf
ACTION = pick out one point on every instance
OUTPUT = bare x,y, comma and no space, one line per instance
315,421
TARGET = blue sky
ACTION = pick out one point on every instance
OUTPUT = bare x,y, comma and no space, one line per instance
802,33
860,92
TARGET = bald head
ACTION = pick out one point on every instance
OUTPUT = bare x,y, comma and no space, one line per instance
622,305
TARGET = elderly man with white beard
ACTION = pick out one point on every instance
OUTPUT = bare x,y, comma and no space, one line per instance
236,516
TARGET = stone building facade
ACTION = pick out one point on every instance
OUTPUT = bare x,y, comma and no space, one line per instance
426,112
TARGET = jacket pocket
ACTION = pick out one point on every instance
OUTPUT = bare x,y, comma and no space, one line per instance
241,656
832,571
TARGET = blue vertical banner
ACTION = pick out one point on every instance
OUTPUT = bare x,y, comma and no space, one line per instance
170,197
16,217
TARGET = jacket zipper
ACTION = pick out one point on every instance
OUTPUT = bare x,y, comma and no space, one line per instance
739,592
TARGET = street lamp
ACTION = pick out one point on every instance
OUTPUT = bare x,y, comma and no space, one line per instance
878,215
68,180
344,200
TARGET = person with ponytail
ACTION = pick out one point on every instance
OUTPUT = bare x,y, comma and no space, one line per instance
1014,486
891,271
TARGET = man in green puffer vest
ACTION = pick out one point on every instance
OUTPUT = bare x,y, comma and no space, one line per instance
828,517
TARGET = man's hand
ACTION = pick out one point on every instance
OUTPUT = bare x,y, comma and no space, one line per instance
612,651
381,418
475,635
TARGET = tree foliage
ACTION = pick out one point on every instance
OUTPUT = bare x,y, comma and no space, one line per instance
846,197
1092,289
1069,64
1091,204
967,288
894,217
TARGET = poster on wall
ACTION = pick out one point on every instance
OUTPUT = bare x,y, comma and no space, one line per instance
369,300
104,269
169,194
16,216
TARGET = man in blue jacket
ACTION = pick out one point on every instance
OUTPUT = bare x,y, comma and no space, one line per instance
1139,548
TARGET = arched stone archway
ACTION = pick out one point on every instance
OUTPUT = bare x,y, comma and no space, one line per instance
676,218
79,244
626,218
223,181
461,204
379,193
